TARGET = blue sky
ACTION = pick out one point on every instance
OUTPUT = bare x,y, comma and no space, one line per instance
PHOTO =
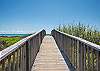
23,16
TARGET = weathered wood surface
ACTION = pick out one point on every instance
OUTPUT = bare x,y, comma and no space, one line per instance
49,57
18,57
82,54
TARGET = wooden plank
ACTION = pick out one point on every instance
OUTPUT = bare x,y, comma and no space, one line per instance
49,57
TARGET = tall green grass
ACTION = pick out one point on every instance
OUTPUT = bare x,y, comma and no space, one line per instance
7,41
89,33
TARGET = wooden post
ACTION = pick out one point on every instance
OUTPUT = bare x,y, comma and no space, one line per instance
98,60
27,57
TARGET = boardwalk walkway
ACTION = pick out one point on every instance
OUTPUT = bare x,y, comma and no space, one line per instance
49,57
74,55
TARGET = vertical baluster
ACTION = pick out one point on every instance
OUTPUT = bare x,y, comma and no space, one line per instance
27,56
84,60
98,60
20,59
34,49
36,46
80,57
12,64
61,46
57,40
86,68
66,46
82,51
88,58
9,63
68,41
93,59
13,61
71,50
23,57
62,42
19,52
6,64
3,65
29,51
76,54
17,62
0,65
38,43
39,39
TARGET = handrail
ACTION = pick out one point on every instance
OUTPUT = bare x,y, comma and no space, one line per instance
82,54
15,46
21,51
94,46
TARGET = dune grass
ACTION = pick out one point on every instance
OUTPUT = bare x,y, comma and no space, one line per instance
89,33
7,41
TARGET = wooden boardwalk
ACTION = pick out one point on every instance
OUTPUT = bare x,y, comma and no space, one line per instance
49,57
25,55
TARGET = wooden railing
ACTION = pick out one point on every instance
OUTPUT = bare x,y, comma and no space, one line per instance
21,55
83,55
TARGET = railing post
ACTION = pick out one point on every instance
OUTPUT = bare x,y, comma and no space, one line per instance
9,63
77,47
17,65
80,56
14,61
27,56
98,60
84,57
3,65
24,56
20,60
40,40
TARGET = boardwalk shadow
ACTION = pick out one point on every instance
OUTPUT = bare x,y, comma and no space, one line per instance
71,67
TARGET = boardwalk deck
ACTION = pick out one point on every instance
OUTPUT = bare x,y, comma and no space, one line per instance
49,57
